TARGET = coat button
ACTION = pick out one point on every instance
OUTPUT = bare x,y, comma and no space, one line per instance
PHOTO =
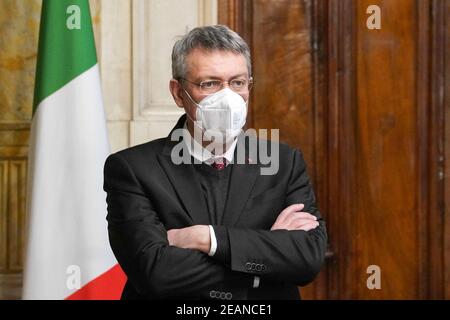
263,267
258,267
253,266
248,266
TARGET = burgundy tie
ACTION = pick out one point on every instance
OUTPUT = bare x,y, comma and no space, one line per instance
219,164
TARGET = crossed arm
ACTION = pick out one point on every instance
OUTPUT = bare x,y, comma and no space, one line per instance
198,237
173,263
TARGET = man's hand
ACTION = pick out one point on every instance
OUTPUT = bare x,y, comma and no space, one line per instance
292,218
195,237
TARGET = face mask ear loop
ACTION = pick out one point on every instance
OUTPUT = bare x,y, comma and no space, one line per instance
190,98
198,106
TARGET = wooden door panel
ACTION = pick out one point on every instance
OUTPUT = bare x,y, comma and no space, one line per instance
367,107
283,93
280,34
386,212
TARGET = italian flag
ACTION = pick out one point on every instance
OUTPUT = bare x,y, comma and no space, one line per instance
68,254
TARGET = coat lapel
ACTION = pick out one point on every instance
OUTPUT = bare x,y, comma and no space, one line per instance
184,181
188,189
242,180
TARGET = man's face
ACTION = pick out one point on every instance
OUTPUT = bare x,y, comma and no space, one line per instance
208,65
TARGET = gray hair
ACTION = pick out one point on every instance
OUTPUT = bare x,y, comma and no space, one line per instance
218,37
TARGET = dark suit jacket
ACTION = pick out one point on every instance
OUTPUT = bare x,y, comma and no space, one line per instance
148,194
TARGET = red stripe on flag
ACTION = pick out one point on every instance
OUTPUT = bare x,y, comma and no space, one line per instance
107,286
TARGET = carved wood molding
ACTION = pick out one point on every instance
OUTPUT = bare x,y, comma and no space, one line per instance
341,105
13,178
445,11
432,108
10,286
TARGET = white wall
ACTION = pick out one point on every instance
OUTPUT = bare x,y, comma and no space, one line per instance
134,40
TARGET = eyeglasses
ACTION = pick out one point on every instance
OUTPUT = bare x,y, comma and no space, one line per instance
238,85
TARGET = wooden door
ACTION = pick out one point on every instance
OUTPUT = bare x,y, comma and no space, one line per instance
369,109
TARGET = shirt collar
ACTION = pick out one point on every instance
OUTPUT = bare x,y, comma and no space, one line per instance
197,151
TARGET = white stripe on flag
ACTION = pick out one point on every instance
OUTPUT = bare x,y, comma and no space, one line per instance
67,222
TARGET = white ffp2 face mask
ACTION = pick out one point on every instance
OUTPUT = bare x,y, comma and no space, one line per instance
222,114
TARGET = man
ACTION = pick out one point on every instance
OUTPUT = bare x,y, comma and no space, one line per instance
212,227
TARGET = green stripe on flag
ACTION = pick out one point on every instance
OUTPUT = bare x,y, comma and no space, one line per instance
66,45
